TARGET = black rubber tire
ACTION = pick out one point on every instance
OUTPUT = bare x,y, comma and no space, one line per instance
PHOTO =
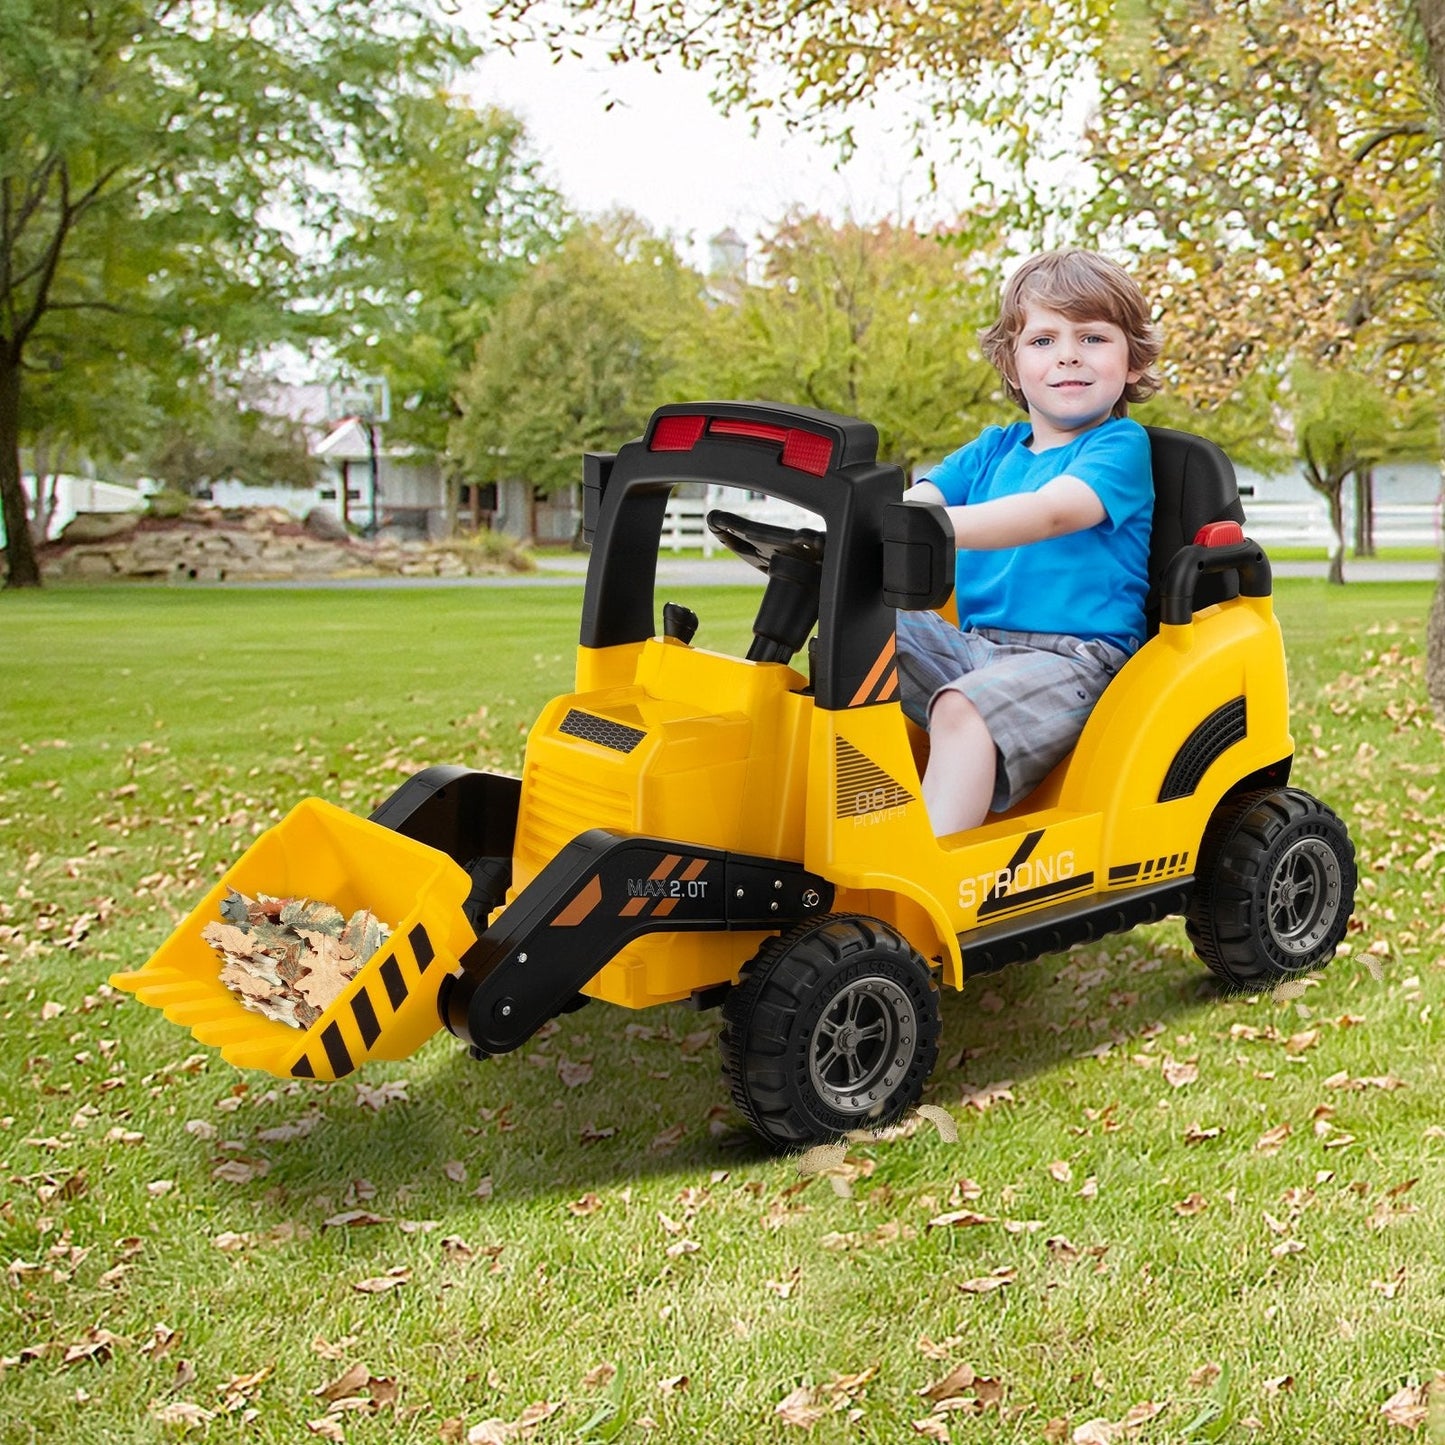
1273,889
833,1026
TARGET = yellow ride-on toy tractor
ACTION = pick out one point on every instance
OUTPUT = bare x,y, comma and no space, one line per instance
749,833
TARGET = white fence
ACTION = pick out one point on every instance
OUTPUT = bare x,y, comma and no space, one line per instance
684,524
1273,523
1307,523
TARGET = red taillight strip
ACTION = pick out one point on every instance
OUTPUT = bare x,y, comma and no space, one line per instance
803,451
677,433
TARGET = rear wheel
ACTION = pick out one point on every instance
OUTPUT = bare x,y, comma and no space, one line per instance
833,1026
1273,890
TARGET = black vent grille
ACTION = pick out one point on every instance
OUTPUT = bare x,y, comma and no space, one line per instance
602,731
1224,727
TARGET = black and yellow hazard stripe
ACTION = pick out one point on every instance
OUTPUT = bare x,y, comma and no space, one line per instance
348,1037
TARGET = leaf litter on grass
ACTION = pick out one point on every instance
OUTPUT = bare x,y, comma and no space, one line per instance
289,959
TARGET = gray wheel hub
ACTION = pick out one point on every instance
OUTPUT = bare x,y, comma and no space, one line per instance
1304,896
862,1045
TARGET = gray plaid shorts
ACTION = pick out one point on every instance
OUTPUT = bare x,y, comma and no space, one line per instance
1034,690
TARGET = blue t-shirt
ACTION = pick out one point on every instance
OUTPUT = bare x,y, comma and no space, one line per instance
1088,584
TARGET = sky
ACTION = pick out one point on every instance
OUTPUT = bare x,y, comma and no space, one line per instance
664,151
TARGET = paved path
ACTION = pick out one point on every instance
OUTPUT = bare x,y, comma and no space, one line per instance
730,571
722,570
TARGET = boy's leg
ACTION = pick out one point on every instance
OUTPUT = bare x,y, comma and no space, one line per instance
959,780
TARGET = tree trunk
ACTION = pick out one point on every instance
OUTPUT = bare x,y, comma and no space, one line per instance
19,546
1365,512
1435,639
1431,15
1336,498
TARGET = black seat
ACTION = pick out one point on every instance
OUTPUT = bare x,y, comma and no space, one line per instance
1194,485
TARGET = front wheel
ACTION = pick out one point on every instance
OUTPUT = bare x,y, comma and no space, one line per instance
1273,890
833,1026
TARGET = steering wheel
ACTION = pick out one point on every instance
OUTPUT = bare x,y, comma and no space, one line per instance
759,542
792,558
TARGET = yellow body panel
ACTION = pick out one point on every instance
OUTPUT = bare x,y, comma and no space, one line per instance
720,765
733,755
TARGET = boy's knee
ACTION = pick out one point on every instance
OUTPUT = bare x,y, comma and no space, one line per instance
953,712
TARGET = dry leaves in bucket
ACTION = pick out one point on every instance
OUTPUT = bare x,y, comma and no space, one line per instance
289,958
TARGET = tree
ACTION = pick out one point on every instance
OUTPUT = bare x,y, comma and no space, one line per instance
455,214
223,435
878,321
1429,17
1344,426
162,162
1273,163
596,336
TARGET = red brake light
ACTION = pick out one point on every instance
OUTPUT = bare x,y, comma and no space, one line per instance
803,451
677,433
1219,534
806,451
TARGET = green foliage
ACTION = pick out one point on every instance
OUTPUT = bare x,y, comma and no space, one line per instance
455,214
578,356
224,437
158,167
877,321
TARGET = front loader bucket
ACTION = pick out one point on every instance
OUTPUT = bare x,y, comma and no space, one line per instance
388,1010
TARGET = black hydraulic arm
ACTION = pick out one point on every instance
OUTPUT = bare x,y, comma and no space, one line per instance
601,891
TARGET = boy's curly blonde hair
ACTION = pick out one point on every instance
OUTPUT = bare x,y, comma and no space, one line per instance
1084,286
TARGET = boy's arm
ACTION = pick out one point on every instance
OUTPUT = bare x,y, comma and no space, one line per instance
1063,505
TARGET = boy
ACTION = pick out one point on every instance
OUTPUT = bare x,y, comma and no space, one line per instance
1052,519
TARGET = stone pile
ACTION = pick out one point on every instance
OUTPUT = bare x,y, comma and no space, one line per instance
251,544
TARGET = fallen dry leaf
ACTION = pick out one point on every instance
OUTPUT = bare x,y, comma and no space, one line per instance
377,1096
1195,1204
1003,1275
182,1412
1061,1170
821,1157
600,1375
932,1427
351,1382
380,1284
941,1120
1205,1375
958,1379
1272,1140
328,1429
964,1218
1177,1075
988,1096
1408,1406
803,1407
668,1139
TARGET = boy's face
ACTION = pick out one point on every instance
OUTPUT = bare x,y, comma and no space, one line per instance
1070,372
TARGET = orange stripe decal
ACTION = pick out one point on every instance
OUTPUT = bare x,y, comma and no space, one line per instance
581,905
890,688
874,673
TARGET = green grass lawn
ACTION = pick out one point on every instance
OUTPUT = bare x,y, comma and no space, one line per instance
1208,1218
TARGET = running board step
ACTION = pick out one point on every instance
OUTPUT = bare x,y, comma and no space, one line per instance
1059,927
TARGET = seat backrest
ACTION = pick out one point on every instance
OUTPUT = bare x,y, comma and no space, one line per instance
1194,485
